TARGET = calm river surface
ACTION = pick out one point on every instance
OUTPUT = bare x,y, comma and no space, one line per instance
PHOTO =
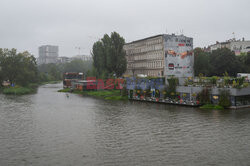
49,128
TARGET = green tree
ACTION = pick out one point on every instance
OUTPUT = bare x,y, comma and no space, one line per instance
171,88
224,99
224,60
109,55
1,71
99,57
19,68
77,65
201,62
204,96
50,72
247,63
117,55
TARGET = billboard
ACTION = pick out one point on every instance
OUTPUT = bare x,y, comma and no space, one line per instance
179,57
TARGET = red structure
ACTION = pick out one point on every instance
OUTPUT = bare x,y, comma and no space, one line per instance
68,77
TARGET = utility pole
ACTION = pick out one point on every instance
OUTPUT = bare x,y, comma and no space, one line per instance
234,36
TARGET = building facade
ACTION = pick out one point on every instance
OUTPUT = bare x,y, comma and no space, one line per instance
145,56
48,54
83,57
159,56
179,57
238,46
63,59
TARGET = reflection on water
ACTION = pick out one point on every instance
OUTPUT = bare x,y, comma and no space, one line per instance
49,128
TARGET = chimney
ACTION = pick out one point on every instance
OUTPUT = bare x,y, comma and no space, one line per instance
243,39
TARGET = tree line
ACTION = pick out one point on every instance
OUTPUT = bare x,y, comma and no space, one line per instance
50,72
108,61
21,68
220,61
18,68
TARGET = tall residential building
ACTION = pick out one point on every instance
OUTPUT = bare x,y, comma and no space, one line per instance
161,55
238,46
48,54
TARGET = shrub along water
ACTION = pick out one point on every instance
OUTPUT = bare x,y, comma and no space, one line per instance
22,90
224,99
211,106
18,90
204,96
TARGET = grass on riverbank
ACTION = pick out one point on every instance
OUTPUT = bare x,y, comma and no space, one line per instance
29,89
64,90
108,94
18,90
211,106
105,94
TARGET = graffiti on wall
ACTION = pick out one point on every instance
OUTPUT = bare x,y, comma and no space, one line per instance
144,83
178,56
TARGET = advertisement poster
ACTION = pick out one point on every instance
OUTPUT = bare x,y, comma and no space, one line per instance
179,58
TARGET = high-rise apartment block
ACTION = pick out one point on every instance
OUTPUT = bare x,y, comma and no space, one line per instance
48,54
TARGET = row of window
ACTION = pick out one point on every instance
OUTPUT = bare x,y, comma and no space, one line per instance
183,40
154,64
145,42
240,48
144,49
153,42
155,73
152,55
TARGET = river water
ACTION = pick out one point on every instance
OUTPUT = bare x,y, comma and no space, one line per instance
49,128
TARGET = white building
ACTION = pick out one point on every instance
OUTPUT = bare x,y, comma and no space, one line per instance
63,60
47,54
238,46
161,55
179,57
145,56
83,57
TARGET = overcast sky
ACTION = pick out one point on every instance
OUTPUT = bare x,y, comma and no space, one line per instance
28,24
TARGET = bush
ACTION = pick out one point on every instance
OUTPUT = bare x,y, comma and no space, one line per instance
211,106
124,91
224,99
204,96
171,88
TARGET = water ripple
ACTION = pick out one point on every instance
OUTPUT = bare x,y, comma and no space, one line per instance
49,128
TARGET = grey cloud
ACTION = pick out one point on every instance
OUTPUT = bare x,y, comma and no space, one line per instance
27,24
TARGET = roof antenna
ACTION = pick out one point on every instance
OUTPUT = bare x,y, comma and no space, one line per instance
233,35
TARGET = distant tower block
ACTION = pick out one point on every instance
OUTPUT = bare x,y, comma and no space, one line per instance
48,54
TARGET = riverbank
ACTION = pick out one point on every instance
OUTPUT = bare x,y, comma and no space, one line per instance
104,94
23,90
